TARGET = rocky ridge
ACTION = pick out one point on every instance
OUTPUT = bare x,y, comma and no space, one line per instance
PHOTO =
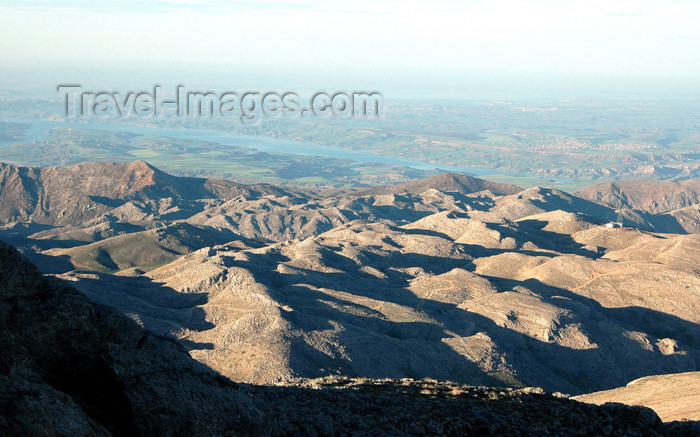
70,367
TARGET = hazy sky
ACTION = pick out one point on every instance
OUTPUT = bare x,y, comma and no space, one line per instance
407,41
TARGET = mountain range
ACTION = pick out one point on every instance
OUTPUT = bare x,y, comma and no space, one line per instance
451,278
71,367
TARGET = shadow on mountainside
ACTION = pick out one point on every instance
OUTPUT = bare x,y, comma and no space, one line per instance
372,346
381,328
534,231
375,346
159,309
668,224
77,368
655,323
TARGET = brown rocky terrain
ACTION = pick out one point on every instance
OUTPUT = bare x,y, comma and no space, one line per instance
674,205
75,194
652,196
450,278
673,397
115,216
451,183
368,299
73,368
70,367
63,208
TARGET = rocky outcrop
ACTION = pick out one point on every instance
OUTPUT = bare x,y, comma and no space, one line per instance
75,194
446,182
109,217
337,406
651,196
72,368
431,300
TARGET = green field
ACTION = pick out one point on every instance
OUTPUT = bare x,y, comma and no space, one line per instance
567,144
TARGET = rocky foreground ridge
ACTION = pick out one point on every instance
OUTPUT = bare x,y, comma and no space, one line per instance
74,368
450,278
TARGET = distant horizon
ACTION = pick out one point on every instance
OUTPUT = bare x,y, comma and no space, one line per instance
43,80
457,49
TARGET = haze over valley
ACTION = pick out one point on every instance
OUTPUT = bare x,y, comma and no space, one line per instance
325,218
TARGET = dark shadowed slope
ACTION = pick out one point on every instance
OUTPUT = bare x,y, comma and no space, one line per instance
445,297
72,368
69,367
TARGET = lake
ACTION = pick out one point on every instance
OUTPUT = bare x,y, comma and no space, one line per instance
39,129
